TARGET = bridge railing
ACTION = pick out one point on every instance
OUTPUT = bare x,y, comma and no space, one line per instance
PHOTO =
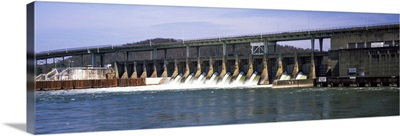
280,32
180,41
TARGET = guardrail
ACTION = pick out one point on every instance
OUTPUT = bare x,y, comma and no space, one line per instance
118,46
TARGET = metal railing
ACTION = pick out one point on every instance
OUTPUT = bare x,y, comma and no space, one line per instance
180,41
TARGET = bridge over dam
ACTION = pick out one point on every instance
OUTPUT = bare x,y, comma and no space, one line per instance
356,56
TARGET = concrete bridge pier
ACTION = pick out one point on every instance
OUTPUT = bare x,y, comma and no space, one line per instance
198,51
320,44
295,66
63,59
154,73
154,54
211,69
165,53
126,56
264,75
134,74
198,71
82,65
116,70
46,68
268,43
187,69
223,62
116,56
154,57
251,70
176,70
312,69
224,49
125,74
93,60
233,49
102,60
165,72
187,51
94,64
237,70
223,69
329,68
280,68
144,73
312,74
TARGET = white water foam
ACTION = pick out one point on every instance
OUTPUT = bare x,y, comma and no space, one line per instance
176,84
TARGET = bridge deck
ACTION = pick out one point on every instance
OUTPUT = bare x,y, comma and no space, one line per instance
272,37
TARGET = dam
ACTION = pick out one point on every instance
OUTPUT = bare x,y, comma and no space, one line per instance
358,56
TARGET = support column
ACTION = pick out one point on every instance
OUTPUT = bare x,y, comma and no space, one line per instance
82,61
126,56
275,48
165,72
223,70
280,68
198,71
234,49
187,69
187,51
154,54
250,64
176,70
154,74
125,74
93,60
329,68
388,58
198,51
102,60
134,74
224,49
116,70
144,73
320,44
165,53
210,69
265,46
312,69
380,64
312,43
47,70
54,62
116,56
237,71
63,59
264,75
295,67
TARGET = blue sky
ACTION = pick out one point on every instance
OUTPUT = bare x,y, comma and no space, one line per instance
71,25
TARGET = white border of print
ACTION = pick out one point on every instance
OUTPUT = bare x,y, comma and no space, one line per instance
13,60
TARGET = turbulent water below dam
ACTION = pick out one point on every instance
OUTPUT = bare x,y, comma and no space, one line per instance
125,108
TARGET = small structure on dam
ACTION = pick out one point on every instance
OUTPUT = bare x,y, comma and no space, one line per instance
77,73
358,56
83,78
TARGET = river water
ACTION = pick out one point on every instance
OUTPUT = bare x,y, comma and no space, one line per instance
131,108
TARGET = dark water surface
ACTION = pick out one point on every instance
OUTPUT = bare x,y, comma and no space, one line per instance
99,110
